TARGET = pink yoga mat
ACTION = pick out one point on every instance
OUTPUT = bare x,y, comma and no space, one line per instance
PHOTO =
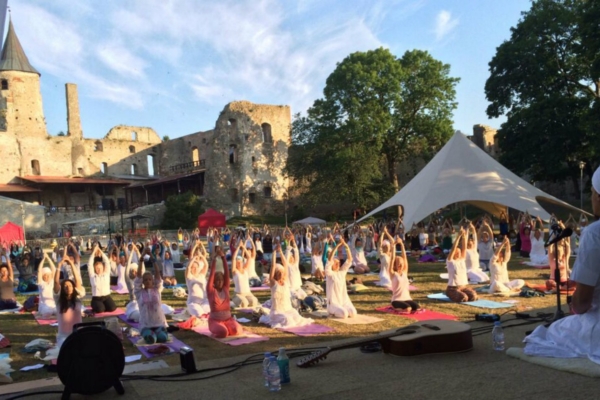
308,330
42,321
175,345
122,291
250,337
421,315
411,287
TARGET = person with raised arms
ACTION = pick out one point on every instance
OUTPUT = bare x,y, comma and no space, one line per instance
46,305
195,279
220,322
100,281
386,251
457,289
398,270
240,269
8,301
338,302
474,272
499,280
67,297
148,288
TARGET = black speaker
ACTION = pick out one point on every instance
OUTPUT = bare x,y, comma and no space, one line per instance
91,360
121,203
186,358
108,204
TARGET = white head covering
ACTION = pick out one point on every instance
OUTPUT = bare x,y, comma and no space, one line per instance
46,270
596,180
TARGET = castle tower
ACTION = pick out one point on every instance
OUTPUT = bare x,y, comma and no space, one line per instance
73,118
21,111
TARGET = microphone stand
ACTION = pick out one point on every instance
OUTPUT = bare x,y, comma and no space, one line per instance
559,312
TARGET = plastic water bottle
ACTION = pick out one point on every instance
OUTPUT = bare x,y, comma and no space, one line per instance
498,336
265,368
283,361
273,375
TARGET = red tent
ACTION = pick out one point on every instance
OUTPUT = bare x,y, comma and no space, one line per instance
10,232
211,218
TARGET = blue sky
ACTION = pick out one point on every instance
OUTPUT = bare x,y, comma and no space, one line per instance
173,65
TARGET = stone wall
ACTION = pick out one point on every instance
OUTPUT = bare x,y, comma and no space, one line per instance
258,136
12,210
186,149
23,114
485,138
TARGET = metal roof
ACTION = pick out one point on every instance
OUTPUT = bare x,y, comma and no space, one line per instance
72,180
166,179
13,57
12,188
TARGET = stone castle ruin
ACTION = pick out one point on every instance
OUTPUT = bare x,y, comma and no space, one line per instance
236,167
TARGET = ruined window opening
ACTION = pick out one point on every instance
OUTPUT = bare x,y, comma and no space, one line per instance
203,140
134,136
234,194
266,130
150,161
98,146
80,171
267,191
35,167
104,168
4,84
134,169
246,137
232,123
195,155
232,154
132,149
251,198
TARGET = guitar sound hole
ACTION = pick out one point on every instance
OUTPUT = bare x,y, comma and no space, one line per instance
405,331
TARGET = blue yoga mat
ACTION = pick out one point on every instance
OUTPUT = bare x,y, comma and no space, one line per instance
173,287
477,303
438,296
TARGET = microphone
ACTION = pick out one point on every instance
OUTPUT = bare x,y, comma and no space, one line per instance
563,234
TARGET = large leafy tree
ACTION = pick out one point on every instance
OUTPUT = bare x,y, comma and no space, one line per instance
377,111
546,80
182,211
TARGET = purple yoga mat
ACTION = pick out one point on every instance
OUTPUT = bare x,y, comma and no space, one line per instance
133,324
259,288
175,345
308,330
250,337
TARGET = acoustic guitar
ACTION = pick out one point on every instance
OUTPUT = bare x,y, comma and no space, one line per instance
425,337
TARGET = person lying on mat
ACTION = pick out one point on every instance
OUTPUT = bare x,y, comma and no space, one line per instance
220,322
576,336
67,297
195,279
338,301
281,314
240,269
100,281
457,289
46,305
474,272
398,270
499,280
148,290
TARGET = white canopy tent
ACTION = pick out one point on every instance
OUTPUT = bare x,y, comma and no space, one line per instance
311,221
462,172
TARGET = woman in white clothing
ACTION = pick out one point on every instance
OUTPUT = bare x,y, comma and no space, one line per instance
308,238
195,279
282,314
293,268
500,282
356,249
47,305
485,245
240,269
148,294
121,280
338,302
386,252
398,270
457,289
474,272
538,252
132,310
317,268
99,274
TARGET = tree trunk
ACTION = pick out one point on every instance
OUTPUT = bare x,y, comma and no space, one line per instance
393,177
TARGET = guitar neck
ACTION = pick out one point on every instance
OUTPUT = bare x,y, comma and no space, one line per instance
374,338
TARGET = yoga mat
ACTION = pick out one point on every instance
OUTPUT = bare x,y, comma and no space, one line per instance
27,293
175,286
121,291
538,266
411,287
175,346
308,330
133,324
12,310
247,338
438,296
542,288
420,315
476,303
581,366
259,288
444,276
44,321
115,313
358,320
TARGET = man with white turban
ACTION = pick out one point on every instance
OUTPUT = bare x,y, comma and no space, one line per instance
576,335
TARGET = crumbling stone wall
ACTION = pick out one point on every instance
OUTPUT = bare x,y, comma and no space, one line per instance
23,114
175,152
485,138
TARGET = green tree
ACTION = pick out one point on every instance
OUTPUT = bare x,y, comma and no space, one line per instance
61,133
546,80
166,138
377,111
182,211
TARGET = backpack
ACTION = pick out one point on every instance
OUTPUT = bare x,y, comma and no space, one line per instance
31,304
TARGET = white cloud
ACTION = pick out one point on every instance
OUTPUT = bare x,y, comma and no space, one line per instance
444,24
118,58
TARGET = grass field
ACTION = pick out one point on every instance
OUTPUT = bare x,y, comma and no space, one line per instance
22,328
